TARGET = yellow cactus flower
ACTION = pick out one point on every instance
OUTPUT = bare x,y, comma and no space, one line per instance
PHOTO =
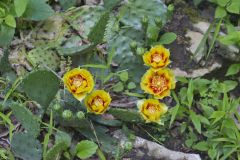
79,82
158,82
98,101
152,110
157,57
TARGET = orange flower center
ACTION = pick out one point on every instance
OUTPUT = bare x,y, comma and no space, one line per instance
151,109
98,102
156,58
77,81
158,84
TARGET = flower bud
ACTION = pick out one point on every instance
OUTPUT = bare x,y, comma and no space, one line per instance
158,22
67,114
80,115
57,107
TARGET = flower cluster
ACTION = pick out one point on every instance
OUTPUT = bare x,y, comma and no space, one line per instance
80,83
157,81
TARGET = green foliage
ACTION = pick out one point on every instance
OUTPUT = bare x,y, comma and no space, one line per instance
41,86
38,10
27,119
97,32
62,142
167,38
26,146
20,6
85,149
231,38
10,10
233,69
136,9
6,34
209,115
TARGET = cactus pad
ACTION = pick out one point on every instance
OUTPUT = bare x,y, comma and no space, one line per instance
26,118
26,147
41,86
43,57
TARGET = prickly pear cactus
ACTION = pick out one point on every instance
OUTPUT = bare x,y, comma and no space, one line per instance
126,115
41,57
26,147
41,86
84,18
136,9
26,118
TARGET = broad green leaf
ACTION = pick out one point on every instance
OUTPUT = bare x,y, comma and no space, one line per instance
20,6
123,76
195,120
220,12
234,7
201,146
231,38
86,149
131,85
10,21
167,38
38,10
233,69
118,87
6,35
229,85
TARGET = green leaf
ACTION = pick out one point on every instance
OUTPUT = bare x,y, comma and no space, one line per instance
190,93
231,38
173,112
167,38
86,149
195,120
233,69
234,7
217,115
10,21
229,85
220,12
201,146
222,3
123,76
20,6
118,87
41,86
101,66
96,35
131,85
38,10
